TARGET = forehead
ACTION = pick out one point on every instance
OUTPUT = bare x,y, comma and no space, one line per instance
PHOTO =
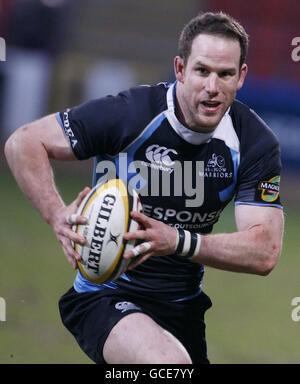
215,51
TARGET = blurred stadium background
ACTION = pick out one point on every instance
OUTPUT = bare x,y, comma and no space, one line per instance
62,52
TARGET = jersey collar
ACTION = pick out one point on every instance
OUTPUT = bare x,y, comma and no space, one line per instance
184,132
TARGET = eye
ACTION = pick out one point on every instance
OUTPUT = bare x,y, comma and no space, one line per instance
202,70
225,74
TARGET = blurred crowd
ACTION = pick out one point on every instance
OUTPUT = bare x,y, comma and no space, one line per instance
62,52
33,31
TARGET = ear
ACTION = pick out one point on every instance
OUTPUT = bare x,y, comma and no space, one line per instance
179,68
243,73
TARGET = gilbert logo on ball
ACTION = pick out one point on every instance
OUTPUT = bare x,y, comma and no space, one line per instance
107,208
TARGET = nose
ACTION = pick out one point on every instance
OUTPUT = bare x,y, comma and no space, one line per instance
211,85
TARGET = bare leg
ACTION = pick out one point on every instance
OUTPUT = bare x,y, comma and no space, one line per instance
137,339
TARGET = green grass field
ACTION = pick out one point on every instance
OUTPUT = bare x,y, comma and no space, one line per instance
250,321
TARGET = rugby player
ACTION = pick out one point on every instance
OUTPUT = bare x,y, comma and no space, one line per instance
154,313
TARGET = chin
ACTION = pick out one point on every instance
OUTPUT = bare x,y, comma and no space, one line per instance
207,122
207,125
203,128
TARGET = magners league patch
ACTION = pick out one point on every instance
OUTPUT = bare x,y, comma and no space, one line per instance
268,190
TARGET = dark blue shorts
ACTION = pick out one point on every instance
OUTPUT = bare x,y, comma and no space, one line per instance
90,316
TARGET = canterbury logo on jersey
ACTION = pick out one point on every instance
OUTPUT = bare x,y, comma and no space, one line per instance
160,155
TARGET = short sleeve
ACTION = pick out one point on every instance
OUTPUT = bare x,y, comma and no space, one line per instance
105,126
260,166
95,127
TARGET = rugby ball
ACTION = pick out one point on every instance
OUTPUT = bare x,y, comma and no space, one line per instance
107,208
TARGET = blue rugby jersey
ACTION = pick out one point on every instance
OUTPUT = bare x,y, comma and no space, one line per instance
138,133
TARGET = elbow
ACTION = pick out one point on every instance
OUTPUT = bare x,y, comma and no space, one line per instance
269,252
8,147
265,268
269,260
10,142
14,142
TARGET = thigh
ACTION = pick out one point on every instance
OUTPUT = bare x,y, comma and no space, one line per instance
188,321
184,320
137,339
111,328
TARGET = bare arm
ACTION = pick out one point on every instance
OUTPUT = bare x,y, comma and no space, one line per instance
254,248
28,151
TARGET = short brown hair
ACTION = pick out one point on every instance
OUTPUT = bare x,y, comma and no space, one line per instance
213,24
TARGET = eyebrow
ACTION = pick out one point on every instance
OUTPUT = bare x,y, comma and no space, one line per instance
199,63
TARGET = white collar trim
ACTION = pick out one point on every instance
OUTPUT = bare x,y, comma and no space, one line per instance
185,133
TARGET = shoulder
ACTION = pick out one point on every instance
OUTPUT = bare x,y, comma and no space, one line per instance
108,124
251,129
146,96
126,103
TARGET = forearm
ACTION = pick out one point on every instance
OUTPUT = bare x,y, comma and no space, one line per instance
30,165
248,251
254,248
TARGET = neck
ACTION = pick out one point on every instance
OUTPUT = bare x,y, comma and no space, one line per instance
178,109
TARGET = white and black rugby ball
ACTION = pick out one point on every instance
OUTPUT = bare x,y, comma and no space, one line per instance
107,208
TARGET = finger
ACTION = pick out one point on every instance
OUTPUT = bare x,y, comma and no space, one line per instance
72,236
142,219
137,235
75,218
71,255
81,220
82,195
72,219
72,261
74,255
141,248
138,250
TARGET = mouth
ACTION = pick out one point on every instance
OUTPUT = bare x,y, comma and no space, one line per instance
210,105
